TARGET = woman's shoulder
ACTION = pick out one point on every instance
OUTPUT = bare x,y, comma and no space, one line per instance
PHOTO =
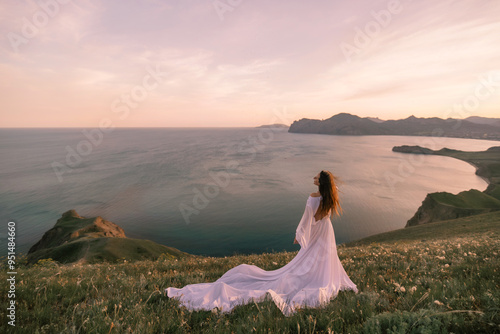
316,194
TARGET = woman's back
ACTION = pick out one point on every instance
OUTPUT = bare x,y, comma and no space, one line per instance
311,278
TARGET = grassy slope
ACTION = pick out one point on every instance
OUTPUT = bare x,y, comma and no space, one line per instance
471,199
93,250
441,277
494,191
439,230
75,238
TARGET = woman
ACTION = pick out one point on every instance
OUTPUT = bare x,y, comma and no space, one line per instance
310,279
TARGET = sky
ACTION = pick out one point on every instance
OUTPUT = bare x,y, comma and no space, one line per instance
225,63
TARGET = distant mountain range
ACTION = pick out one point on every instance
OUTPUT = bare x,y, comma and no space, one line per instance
484,120
347,124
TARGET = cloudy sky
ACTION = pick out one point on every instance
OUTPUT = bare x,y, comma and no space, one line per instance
194,63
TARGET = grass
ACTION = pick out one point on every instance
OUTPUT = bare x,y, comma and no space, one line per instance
447,229
423,279
471,199
494,190
91,240
94,250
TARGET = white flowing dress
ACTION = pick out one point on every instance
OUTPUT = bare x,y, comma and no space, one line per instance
310,279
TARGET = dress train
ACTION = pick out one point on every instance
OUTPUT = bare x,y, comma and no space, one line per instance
313,277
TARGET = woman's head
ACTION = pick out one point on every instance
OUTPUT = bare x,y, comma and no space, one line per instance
328,190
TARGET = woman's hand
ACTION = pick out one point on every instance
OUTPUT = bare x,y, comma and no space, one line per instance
295,241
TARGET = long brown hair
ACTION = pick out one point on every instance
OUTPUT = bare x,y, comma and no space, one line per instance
330,194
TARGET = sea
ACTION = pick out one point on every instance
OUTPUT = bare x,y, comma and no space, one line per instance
217,191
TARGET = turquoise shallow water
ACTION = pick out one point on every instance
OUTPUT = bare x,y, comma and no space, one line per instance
242,190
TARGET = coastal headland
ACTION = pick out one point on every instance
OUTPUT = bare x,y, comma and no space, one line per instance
442,205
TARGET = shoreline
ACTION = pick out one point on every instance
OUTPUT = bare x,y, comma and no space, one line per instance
467,202
389,135
487,180
456,154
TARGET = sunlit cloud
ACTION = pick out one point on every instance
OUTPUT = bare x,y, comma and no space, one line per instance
233,72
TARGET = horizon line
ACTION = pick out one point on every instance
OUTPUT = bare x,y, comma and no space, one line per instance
133,127
224,127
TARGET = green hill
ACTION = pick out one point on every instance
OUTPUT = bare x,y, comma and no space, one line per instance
471,199
95,250
74,238
442,230
442,205
433,278
493,190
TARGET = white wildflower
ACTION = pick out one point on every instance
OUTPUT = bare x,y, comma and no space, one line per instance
399,288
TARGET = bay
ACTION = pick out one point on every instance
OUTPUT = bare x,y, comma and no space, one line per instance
217,191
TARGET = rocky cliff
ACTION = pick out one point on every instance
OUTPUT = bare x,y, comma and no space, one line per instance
72,226
78,239
445,206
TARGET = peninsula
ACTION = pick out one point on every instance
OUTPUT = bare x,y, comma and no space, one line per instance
89,240
442,205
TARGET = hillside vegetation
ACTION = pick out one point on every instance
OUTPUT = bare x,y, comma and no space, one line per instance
434,278
442,205
89,240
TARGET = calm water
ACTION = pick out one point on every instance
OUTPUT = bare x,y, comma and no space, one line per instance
143,179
